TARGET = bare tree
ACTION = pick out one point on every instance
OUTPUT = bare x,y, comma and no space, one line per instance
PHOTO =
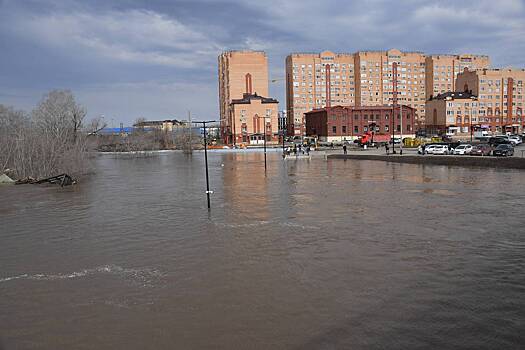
12,125
59,115
47,143
139,124
95,125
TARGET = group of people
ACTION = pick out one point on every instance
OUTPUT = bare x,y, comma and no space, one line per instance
298,149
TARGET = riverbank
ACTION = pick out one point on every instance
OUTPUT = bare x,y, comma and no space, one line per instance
465,161
213,150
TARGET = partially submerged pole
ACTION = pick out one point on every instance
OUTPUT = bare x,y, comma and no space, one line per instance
206,161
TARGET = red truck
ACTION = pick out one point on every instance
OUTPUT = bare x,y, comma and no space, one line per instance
366,138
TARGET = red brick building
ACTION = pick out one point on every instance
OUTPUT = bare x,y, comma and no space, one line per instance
341,123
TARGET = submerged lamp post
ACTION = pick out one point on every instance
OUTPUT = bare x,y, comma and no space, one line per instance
265,117
206,159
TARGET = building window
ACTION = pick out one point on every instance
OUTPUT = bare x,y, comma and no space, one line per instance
386,128
344,129
334,129
356,129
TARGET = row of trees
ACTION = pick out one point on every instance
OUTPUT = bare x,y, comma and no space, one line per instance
148,139
55,138
47,141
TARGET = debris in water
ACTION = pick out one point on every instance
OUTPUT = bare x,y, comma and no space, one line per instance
4,179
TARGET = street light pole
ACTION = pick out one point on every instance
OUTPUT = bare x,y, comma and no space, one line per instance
265,145
470,120
206,159
283,135
264,140
401,127
394,104
471,127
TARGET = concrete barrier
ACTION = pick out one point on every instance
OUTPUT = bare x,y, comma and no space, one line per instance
468,161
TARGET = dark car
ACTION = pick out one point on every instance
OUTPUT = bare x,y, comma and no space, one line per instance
503,150
481,150
494,141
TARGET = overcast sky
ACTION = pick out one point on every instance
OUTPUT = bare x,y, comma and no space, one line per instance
158,58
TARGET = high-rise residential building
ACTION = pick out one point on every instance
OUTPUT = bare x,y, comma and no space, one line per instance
317,80
240,72
374,79
442,70
360,79
500,95
365,78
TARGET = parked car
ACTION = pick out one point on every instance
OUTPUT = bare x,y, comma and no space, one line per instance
515,139
503,150
498,140
430,149
440,149
481,150
463,149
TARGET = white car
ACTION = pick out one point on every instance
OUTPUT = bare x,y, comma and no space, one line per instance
440,149
462,149
516,140
430,149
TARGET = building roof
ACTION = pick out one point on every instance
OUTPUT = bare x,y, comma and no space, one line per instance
460,55
158,122
230,52
247,98
450,95
126,129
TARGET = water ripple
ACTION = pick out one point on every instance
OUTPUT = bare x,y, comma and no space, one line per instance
144,276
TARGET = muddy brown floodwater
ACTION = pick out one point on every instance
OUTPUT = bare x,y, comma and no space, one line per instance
315,255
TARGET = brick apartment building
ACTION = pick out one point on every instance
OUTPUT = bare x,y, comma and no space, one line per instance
243,91
340,123
365,78
441,71
375,78
500,94
452,113
253,118
306,84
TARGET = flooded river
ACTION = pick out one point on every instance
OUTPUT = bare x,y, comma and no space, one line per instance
315,255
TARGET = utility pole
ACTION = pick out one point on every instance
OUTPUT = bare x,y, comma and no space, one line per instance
401,126
470,120
283,132
264,118
394,104
206,160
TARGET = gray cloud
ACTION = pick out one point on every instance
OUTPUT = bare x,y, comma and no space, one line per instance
157,58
